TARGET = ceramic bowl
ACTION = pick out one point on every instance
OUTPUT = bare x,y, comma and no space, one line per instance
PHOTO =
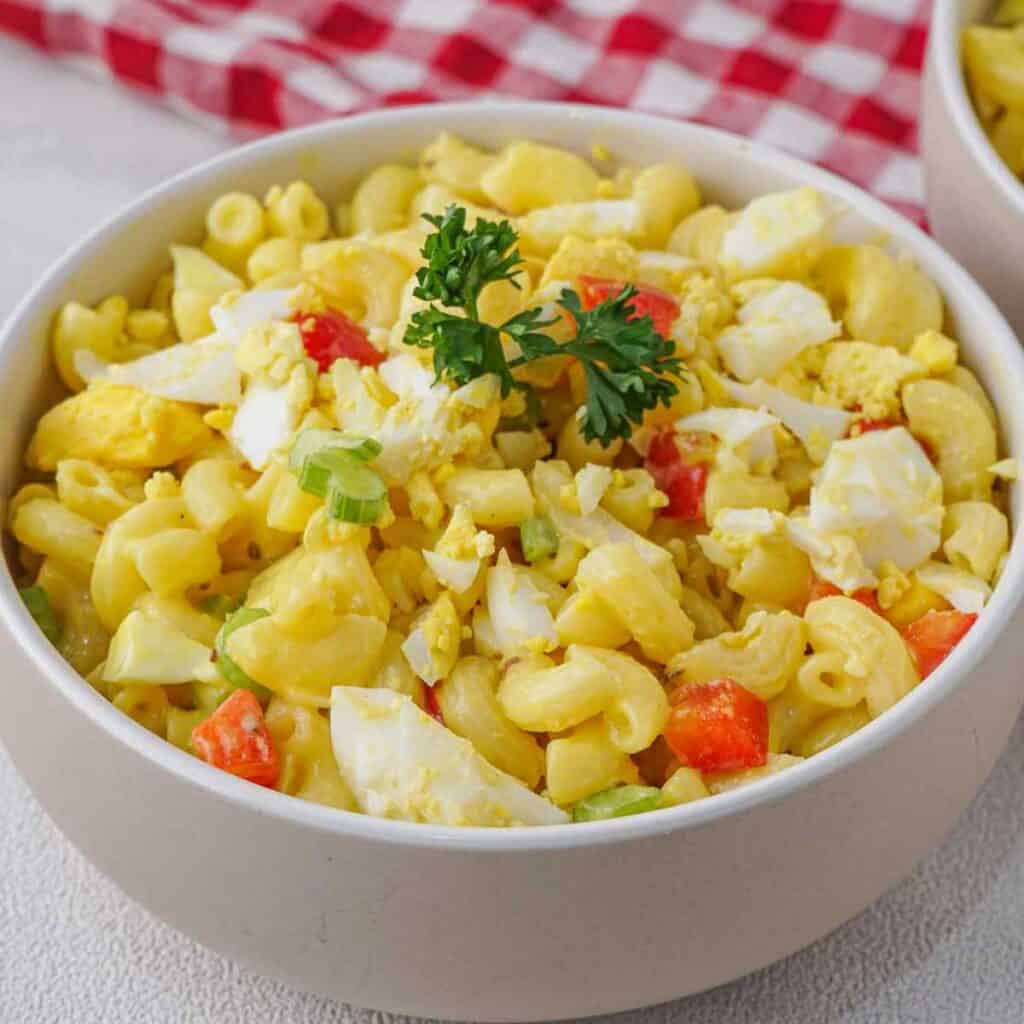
516,924
975,203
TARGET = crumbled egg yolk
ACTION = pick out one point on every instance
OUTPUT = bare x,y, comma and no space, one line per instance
461,539
857,373
272,351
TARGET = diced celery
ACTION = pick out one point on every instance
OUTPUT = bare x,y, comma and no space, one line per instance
539,538
617,802
219,605
226,665
37,601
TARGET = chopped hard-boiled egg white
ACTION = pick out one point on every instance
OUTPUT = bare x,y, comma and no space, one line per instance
591,483
461,539
748,432
204,371
774,327
201,371
148,650
880,490
834,557
1006,469
460,551
671,262
597,528
737,531
518,610
457,574
599,218
234,314
817,426
774,231
422,425
962,589
265,420
400,763
432,646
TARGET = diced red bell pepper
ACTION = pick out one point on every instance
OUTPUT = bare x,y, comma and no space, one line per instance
718,727
330,336
683,481
235,739
867,597
431,704
652,302
933,636
866,426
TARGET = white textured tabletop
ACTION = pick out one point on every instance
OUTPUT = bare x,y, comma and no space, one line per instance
945,946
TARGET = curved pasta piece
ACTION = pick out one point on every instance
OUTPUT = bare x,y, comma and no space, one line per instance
956,427
381,201
470,707
635,595
303,668
976,536
308,768
358,277
873,649
885,301
639,710
46,526
585,761
116,582
95,492
342,582
762,657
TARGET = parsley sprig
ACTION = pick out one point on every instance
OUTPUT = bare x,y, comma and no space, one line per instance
628,367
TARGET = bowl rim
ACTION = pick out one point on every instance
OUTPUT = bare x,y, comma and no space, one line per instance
945,57
300,813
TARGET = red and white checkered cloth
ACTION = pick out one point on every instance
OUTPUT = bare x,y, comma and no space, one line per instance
832,82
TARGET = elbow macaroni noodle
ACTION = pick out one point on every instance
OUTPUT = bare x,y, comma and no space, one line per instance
562,672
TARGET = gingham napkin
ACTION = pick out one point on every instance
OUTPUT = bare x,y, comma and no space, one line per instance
832,82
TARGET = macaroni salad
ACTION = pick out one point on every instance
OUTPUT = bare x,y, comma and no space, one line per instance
514,489
994,64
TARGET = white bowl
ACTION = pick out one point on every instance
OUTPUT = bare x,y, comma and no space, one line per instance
975,203
523,923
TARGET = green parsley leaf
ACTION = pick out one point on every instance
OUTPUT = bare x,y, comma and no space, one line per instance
628,367
461,262
627,364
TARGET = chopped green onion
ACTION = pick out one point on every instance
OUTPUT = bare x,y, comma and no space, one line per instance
617,802
320,467
538,538
332,466
219,605
226,665
366,449
357,495
37,601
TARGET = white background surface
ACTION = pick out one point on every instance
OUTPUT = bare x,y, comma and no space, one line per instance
945,946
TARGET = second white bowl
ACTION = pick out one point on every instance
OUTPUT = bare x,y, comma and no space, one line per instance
975,203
